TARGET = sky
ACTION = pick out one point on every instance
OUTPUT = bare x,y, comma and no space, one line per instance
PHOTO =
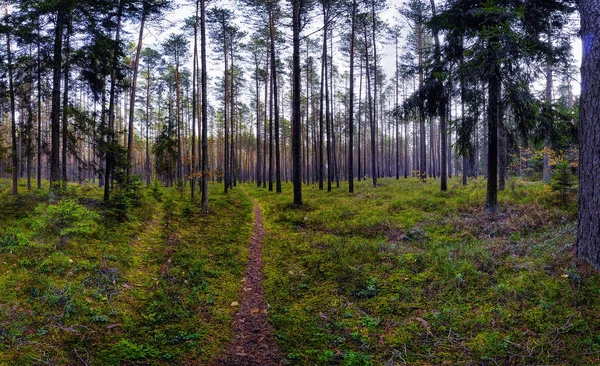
173,20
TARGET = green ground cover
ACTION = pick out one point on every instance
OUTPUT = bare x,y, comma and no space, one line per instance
404,274
77,285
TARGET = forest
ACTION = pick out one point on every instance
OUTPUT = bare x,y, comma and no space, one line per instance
299,182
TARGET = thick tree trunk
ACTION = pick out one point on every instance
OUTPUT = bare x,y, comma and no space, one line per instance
588,234
494,84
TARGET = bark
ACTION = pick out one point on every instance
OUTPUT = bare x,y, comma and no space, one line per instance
65,110
351,106
374,120
442,112
13,129
203,76
588,234
111,105
296,122
494,84
275,101
39,113
55,112
136,64
321,101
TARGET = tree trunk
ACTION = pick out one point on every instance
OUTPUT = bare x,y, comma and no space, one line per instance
136,64
275,101
351,105
204,165
55,112
39,113
296,122
374,120
494,85
588,234
111,106
65,110
442,111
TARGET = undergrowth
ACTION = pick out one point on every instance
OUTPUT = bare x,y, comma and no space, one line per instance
405,274
81,286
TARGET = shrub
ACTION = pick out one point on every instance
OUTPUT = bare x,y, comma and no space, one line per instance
156,190
563,180
65,220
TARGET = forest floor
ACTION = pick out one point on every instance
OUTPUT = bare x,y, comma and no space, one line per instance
395,274
254,343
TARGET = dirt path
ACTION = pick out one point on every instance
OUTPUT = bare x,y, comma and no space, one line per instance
254,342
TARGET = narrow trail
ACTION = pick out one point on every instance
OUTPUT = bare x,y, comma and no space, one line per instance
254,342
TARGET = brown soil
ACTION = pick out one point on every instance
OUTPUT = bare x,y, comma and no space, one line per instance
254,342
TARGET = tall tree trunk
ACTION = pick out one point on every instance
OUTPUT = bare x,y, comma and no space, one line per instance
442,110
494,85
351,105
194,106
327,112
148,165
258,162
111,105
13,129
588,233
39,112
397,115
422,145
204,165
296,122
136,64
65,110
55,112
321,96
374,120
548,101
275,101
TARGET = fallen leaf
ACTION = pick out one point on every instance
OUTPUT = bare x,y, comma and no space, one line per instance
126,286
254,311
424,322
235,303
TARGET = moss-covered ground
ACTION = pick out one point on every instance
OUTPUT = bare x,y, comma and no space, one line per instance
397,274
156,289
405,274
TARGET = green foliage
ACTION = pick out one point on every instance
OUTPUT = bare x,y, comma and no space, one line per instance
66,220
563,180
12,240
127,195
126,350
156,190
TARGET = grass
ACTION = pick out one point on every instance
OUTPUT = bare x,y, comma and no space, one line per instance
154,290
397,274
403,273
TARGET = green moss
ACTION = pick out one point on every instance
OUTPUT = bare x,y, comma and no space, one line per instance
404,272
